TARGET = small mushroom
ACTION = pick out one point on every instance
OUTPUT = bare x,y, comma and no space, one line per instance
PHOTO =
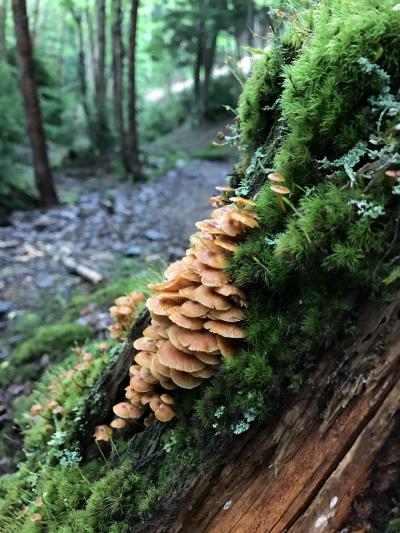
36,517
280,191
102,432
224,329
164,413
126,410
118,423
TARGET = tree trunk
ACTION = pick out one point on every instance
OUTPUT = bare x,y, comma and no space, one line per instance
35,20
315,468
133,144
3,30
82,74
91,69
35,128
209,60
250,23
199,63
100,82
118,82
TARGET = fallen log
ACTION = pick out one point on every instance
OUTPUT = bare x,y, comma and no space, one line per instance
83,271
304,473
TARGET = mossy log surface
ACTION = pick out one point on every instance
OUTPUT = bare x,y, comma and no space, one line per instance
305,472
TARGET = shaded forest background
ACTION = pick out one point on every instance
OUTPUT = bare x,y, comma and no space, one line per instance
114,76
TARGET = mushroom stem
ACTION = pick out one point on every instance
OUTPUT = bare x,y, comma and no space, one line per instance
281,202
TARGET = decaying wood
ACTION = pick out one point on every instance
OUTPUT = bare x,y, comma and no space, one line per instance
303,474
83,271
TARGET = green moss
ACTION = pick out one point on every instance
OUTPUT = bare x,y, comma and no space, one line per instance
325,101
393,526
258,111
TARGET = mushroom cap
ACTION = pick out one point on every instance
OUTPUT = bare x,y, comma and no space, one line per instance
216,200
197,341
160,320
392,173
173,285
102,432
126,410
36,409
230,290
226,346
148,396
129,392
225,329
144,358
275,176
139,384
213,278
155,403
207,297
280,189
159,368
193,309
185,380
134,370
36,517
208,358
225,243
229,225
206,373
234,314
246,220
224,188
211,255
147,376
242,202
163,302
118,423
185,322
167,398
155,332
145,344
174,269
167,384
164,413
174,358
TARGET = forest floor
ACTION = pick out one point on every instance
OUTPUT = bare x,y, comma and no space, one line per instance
106,223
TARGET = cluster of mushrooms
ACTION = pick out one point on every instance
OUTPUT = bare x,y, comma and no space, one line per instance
195,315
124,312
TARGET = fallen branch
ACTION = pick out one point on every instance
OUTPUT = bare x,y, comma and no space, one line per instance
84,272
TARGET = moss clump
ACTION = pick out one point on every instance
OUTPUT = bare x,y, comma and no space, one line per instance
257,105
327,90
53,340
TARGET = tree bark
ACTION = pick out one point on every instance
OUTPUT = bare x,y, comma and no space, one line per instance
35,128
35,20
100,82
118,63
250,23
3,30
209,60
82,74
133,144
199,63
306,471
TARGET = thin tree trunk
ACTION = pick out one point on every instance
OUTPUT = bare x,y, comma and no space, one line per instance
133,144
35,20
3,28
199,63
91,69
100,82
82,74
118,81
250,23
35,128
209,60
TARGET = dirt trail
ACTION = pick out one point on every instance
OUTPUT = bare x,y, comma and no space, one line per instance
107,222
